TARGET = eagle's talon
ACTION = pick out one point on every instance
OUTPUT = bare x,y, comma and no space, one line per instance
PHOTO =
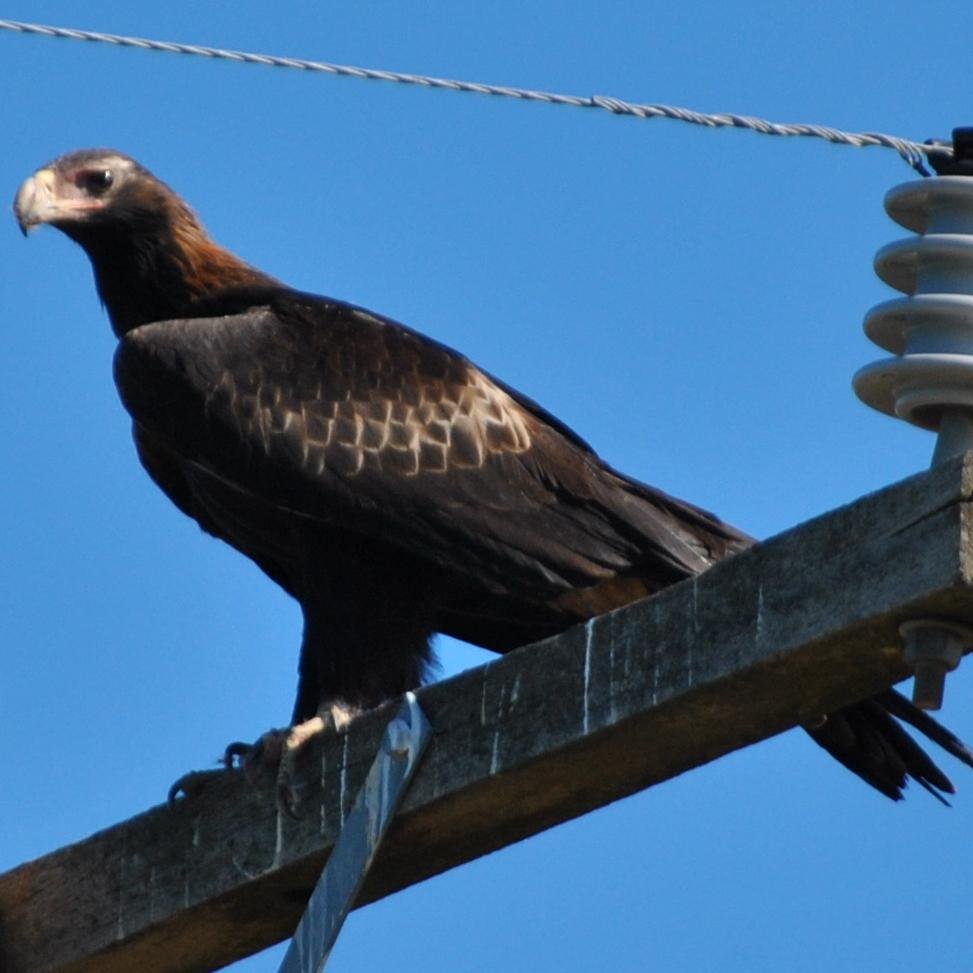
236,754
192,784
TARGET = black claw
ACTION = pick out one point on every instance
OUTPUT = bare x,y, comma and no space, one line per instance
191,785
237,753
172,797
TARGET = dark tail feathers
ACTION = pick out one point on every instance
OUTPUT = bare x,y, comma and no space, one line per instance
869,740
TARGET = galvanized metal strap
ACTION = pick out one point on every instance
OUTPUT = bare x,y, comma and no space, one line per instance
403,744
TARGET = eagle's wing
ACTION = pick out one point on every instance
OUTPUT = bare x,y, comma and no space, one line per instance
334,414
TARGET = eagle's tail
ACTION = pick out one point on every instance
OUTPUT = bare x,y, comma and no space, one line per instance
869,740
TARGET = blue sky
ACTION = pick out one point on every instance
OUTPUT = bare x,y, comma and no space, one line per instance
689,300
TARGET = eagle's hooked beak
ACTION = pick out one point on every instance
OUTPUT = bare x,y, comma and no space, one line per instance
47,197
35,202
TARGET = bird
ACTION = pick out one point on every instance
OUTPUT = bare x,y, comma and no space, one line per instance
383,480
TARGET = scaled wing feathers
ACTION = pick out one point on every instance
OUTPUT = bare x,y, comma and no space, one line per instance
397,436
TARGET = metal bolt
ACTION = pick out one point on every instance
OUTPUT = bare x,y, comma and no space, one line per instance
399,735
933,647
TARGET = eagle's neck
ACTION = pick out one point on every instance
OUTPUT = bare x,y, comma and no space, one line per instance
159,272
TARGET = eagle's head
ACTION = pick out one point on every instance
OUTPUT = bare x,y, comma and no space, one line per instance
96,192
151,255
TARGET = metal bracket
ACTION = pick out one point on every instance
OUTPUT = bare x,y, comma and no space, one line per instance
402,746
933,647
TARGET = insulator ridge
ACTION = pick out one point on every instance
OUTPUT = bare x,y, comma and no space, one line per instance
929,382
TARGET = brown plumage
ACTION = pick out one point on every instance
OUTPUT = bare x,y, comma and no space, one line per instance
383,480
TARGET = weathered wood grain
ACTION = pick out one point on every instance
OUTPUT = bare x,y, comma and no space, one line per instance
798,626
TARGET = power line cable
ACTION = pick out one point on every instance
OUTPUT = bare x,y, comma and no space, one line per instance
911,152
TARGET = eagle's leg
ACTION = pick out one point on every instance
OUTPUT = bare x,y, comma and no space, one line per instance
350,661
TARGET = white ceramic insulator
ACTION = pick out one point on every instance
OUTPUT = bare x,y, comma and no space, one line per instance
929,382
